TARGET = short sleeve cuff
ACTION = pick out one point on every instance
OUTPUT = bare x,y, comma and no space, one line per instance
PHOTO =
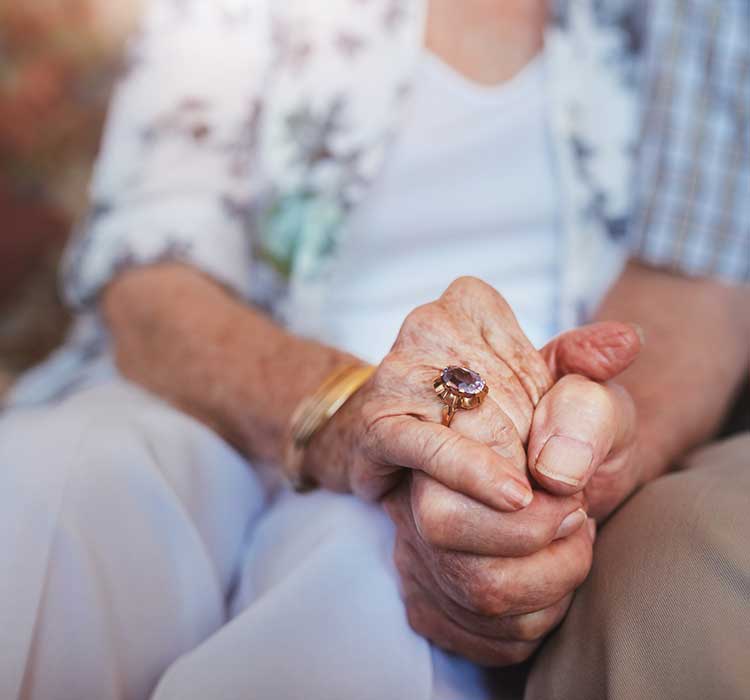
699,251
204,234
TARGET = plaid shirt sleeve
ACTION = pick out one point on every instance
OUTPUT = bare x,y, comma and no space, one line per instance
692,188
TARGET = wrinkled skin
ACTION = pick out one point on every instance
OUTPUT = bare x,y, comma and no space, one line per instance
488,565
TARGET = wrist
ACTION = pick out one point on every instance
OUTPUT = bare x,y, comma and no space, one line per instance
330,455
268,381
322,431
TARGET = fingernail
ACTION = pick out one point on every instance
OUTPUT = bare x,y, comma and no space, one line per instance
571,524
518,494
565,460
639,332
591,525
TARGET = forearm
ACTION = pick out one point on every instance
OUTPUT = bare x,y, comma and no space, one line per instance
185,338
696,354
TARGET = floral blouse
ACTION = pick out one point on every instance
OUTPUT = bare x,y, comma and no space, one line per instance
244,133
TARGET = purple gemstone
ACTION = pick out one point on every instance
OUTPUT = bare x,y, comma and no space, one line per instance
463,380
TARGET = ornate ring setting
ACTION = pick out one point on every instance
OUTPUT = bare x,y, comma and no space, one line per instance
459,387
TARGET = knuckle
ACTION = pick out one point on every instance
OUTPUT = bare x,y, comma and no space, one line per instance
401,557
451,567
373,423
503,433
420,618
513,654
466,289
573,382
465,283
418,319
622,398
513,415
377,430
583,560
488,605
533,536
466,579
437,449
530,628
434,513
416,616
585,568
469,289
496,654
485,594
599,397
587,394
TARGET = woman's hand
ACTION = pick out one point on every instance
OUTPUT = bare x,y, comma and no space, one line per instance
487,585
394,421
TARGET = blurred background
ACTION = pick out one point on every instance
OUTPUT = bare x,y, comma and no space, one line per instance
58,62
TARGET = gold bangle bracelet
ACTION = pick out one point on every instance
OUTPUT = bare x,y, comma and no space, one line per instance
312,414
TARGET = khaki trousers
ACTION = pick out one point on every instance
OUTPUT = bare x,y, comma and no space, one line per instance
665,612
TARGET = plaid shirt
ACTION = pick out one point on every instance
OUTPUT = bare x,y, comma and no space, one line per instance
692,194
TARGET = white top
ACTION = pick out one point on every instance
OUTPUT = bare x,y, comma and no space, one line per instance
469,189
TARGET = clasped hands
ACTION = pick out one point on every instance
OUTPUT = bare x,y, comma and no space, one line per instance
495,516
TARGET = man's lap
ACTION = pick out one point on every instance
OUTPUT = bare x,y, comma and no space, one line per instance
664,612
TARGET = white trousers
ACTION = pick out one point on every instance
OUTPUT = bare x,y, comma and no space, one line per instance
141,557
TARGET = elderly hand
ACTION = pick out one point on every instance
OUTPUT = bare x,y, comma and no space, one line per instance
583,434
478,578
394,421
487,585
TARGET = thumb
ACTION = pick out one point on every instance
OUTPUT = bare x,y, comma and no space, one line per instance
599,351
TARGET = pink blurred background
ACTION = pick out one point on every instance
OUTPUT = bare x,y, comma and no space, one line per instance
58,61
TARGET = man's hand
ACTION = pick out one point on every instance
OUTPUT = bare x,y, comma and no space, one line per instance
583,434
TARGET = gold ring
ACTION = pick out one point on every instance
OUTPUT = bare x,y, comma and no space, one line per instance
459,387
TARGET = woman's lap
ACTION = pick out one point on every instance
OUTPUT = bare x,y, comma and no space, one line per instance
317,614
122,522
132,528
